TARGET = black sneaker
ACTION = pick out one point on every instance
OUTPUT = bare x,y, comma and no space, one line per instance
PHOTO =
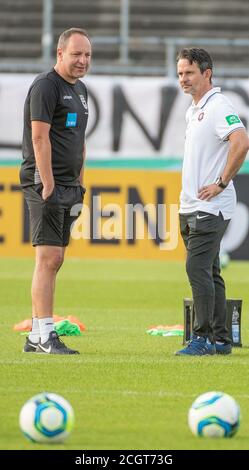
29,346
54,345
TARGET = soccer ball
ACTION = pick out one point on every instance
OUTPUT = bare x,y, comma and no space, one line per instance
214,414
46,417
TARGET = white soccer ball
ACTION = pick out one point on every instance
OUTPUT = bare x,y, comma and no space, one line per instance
46,417
214,414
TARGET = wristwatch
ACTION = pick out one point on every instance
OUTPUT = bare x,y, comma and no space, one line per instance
220,183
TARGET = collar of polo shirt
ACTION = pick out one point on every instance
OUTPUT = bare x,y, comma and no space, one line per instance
206,97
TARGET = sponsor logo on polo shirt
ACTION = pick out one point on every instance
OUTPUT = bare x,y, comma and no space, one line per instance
232,119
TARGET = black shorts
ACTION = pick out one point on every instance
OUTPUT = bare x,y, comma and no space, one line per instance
51,219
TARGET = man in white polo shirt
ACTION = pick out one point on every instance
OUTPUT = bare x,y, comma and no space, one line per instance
215,148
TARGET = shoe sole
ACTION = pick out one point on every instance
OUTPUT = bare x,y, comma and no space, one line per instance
223,353
53,353
190,355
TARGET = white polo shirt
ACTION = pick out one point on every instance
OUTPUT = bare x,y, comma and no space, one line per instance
209,124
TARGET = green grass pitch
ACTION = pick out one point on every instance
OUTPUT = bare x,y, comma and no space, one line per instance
127,388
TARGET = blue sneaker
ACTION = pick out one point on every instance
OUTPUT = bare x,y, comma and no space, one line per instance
198,346
223,348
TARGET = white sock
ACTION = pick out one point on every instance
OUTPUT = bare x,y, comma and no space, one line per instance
34,334
46,325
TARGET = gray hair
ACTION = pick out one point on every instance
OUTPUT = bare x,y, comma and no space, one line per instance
65,36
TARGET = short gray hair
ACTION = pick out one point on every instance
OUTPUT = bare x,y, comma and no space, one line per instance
65,36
